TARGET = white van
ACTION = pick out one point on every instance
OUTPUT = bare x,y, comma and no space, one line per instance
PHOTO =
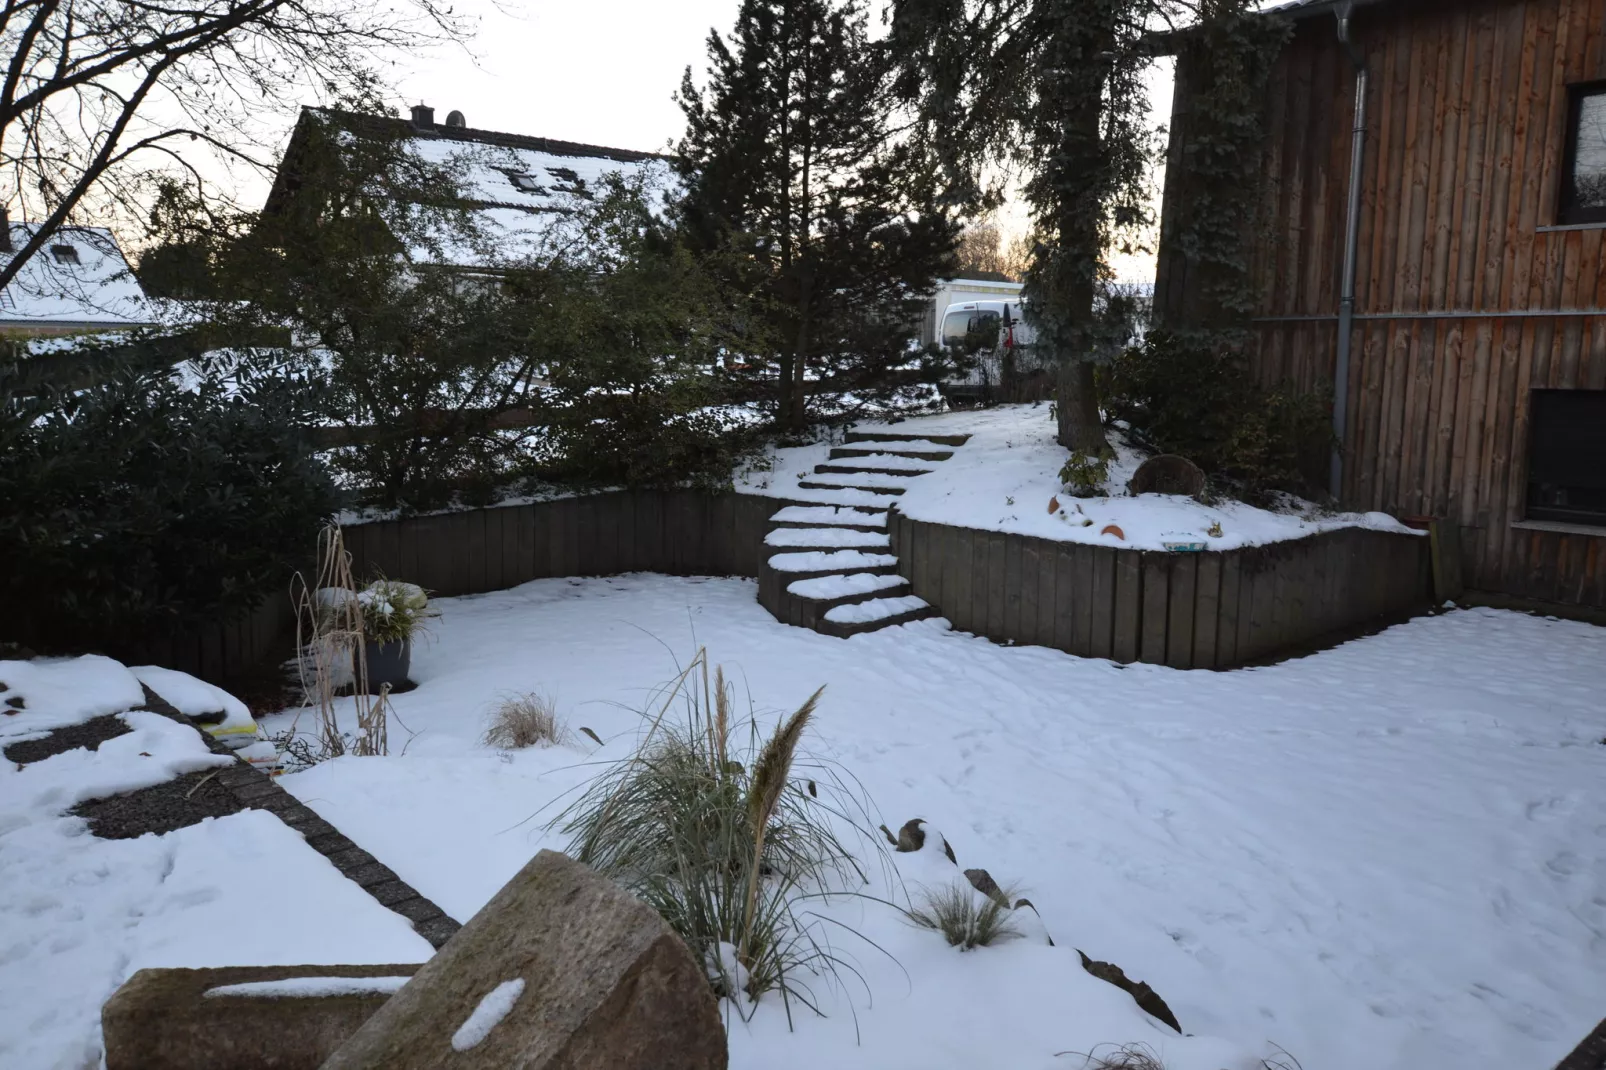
1005,362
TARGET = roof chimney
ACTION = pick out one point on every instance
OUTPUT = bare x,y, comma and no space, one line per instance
455,118
423,115
5,230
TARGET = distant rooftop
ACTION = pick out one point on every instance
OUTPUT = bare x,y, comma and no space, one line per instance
79,279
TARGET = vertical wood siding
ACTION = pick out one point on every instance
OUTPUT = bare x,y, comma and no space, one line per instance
1467,115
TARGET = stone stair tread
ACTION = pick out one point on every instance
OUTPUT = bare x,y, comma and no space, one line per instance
819,483
829,515
827,537
889,449
833,560
848,468
843,585
833,479
846,497
888,461
853,438
875,609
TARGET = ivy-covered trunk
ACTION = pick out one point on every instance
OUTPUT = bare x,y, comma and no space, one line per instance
1080,426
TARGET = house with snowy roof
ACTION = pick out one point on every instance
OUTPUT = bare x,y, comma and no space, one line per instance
516,184
79,283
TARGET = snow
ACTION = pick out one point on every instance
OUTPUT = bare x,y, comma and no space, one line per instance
861,480
807,514
81,914
826,537
1007,475
310,987
842,586
156,750
1387,855
822,561
197,698
63,691
887,460
488,1014
874,609
98,289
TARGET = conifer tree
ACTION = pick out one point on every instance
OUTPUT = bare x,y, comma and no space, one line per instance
794,175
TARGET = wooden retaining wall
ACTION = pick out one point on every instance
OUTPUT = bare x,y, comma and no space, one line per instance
1214,610
680,533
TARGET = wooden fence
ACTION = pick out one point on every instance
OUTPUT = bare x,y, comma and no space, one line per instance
681,533
1214,610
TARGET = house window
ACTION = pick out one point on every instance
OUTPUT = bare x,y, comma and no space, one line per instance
1583,180
64,254
1567,456
525,182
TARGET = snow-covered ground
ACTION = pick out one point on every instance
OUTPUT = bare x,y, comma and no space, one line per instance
78,915
1390,855
1005,477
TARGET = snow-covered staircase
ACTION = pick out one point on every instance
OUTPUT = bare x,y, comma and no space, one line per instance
833,569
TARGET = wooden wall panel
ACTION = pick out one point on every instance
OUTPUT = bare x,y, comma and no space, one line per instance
1467,113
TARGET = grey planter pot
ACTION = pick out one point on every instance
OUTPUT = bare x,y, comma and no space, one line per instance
387,663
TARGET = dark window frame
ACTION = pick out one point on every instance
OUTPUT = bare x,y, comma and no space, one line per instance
1591,509
65,254
1567,212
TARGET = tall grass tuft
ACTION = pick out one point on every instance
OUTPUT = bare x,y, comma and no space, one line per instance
966,918
726,849
524,720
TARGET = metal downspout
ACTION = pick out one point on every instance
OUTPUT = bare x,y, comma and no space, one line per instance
1352,227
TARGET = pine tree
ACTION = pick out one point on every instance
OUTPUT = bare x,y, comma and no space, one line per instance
793,175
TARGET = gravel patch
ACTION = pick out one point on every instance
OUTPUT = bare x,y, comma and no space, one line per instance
89,734
176,804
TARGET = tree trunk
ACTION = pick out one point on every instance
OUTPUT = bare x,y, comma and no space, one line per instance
1080,427
783,396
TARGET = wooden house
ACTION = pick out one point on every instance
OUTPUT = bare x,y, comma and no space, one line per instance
1434,257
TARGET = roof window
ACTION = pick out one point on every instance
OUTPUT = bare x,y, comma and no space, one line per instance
526,182
64,254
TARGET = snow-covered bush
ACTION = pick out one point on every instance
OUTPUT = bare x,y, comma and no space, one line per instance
1084,475
526,720
722,840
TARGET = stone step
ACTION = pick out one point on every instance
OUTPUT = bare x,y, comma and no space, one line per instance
886,461
832,495
898,436
871,449
846,630
832,538
843,516
840,589
825,482
824,562
875,609
851,468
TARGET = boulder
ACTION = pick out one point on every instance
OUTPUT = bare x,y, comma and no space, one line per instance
983,882
1145,996
287,1018
561,969
912,837
1167,473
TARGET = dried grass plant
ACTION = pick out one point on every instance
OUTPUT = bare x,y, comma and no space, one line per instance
1126,1057
525,720
726,841
331,642
966,918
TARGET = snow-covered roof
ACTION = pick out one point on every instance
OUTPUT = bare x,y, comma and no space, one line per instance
519,182
1304,9
80,277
